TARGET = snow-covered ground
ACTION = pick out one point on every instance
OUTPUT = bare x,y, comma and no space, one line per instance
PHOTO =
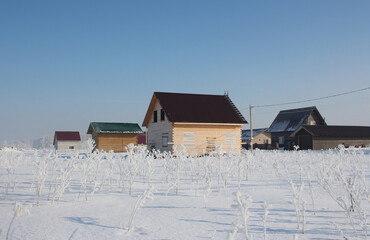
282,195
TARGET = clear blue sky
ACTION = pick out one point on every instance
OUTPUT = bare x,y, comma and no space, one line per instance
64,64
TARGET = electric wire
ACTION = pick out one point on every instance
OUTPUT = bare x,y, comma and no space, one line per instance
309,100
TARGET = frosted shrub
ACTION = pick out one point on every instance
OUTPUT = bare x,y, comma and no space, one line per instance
19,209
139,203
9,160
133,164
90,167
63,179
177,163
40,164
243,204
265,207
297,200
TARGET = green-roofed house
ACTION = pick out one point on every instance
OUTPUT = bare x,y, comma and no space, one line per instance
114,136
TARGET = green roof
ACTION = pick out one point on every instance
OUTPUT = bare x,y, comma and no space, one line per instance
104,127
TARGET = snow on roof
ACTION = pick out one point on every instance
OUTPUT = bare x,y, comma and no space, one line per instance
246,134
290,120
108,127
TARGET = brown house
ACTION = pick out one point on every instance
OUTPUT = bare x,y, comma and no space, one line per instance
199,122
327,137
288,121
114,136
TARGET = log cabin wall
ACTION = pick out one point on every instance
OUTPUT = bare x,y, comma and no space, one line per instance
200,138
115,141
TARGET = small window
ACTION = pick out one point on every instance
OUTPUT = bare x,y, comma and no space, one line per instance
188,139
211,144
266,141
71,147
155,116
162,115
165,140
312,122
230,140
281,140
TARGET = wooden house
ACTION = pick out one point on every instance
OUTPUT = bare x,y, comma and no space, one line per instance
114,136
288,121
197,121
67,140
328,137
261,138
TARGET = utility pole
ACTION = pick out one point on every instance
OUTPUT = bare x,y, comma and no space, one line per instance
250,124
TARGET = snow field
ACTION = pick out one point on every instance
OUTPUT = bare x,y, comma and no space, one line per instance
142,195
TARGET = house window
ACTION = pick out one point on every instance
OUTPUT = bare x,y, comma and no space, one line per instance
155,116
188,139
230,140
211,144
312,122
266,141
165,140
281,140
71,147
162,115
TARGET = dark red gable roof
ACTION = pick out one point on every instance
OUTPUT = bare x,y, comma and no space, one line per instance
67,136
199,108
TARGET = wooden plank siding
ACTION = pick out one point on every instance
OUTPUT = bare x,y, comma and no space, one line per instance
206,136
114,141
157,129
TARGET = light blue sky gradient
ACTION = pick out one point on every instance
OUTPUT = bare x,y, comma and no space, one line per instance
64,64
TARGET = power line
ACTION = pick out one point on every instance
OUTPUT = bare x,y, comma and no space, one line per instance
310,100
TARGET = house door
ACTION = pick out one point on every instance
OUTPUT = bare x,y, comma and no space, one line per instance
305,141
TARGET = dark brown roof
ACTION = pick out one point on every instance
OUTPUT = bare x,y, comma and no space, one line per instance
197,108
336,131
66,136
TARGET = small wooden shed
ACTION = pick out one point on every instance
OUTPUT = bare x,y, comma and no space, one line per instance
326,137
114,136
67,140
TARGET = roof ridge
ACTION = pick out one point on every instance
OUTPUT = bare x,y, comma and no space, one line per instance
194,94
235,108
299,109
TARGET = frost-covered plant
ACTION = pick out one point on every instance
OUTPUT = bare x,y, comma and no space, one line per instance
297,199
207,192
232,233
9,159
40,164
177,162
90,167
265,206
19,209
133,165
63,179
243,204
139,203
